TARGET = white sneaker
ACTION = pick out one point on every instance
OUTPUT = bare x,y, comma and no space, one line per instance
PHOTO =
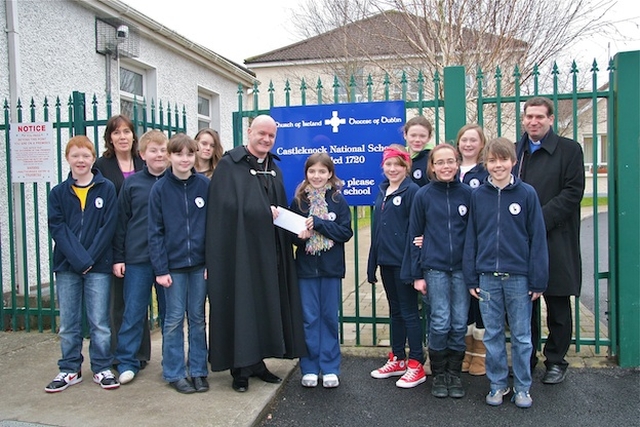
309,380
330,381
106,379
126,377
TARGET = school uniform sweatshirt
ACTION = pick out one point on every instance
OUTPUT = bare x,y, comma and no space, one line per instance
337,227
476,176
390,224
439,213
506,234
130,241
177,218
83,237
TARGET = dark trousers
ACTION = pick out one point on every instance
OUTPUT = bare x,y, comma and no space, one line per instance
560,324
117,312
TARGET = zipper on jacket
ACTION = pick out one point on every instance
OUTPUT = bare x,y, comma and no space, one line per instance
498,231
449,229
186,207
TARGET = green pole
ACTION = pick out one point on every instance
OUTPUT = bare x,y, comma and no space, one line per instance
79,125
455,102
626,205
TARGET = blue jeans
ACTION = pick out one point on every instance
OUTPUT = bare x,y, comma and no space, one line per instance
510,294
138,281
449,299
320,304
405,317
93,289
187,294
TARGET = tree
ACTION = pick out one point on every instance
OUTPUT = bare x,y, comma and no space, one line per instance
428,35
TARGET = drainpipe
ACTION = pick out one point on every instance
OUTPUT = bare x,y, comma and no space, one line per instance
13,37
11,8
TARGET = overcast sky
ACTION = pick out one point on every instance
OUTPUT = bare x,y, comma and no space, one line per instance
240,29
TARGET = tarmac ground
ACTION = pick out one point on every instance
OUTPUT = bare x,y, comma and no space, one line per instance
589,396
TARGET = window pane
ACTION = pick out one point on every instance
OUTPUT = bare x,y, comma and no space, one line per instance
203,106
131,82
603,148
202,124
588,150
126,108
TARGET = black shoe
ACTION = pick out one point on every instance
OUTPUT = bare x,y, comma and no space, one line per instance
439,386
183,386
143,364
454,386
240,384
200,384
268,377
555,374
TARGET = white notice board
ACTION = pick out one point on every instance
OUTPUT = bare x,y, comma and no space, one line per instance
33,152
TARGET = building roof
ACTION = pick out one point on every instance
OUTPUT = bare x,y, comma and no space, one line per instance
385,34
171,39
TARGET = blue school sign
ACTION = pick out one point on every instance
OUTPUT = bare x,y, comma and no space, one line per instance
354,135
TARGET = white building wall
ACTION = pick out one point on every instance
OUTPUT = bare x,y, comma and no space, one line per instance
57,53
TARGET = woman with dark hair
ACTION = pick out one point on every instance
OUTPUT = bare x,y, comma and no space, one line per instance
119,161
120,158
209,151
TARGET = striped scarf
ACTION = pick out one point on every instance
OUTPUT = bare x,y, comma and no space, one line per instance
318,207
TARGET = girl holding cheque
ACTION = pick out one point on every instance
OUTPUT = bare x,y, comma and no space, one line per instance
320,263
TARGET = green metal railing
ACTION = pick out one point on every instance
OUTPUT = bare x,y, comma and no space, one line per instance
502,113
446,99
26,249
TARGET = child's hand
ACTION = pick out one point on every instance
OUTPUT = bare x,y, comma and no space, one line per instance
474,293
304,234
309,223
118,269
274,212
417,241
165,280
420,285
535,295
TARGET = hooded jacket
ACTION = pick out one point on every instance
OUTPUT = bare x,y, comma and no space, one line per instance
440,213
330,263
177,217
83,238
506,234
390,224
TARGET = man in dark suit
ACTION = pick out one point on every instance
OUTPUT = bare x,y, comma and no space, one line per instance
554,166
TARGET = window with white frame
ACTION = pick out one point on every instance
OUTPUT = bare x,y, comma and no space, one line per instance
137,84
208,109
600,155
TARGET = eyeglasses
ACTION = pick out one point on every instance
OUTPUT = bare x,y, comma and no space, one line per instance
448,162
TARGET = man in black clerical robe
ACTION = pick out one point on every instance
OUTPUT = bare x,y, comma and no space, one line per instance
255,309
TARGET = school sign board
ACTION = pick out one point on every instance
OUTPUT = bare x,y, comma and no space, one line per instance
354,135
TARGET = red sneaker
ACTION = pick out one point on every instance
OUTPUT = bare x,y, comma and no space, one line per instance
393,368
415,375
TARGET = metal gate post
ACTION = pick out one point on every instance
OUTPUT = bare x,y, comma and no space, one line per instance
455,102
79,114
624,206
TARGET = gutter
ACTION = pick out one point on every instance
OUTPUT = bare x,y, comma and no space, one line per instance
172,40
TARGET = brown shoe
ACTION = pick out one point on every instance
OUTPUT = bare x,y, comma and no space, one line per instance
477,366
468,354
